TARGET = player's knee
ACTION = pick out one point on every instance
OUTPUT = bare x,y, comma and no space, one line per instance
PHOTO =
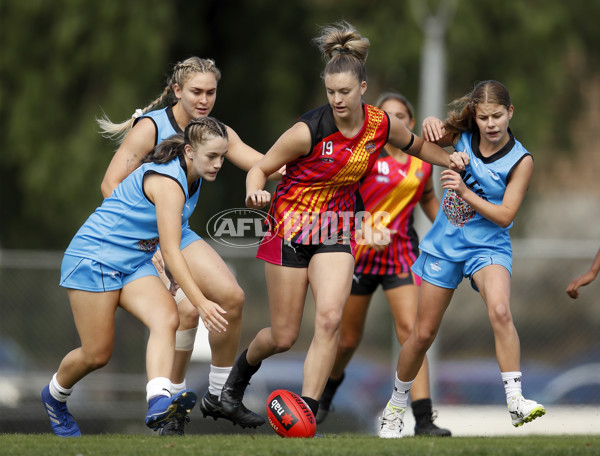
422,338
500,315
98,357
168,321
403,329
329,321
348,343
233,302
284,342
188,315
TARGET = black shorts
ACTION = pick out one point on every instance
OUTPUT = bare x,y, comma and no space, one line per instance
277,251
366,284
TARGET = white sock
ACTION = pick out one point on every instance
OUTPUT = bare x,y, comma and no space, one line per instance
158,386
400,394
178,387
217,378
58,392
512,384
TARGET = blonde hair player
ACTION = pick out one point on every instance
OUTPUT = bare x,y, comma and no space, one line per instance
191,92
108,264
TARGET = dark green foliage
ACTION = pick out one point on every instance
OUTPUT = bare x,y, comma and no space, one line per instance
65,62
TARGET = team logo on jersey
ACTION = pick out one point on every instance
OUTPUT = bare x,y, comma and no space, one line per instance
493,175
327,160
147,245
371,147
457,210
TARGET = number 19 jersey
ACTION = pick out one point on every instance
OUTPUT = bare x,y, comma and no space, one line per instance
315,202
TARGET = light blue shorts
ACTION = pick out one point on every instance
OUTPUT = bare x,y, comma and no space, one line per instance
89,275
448,274
187,237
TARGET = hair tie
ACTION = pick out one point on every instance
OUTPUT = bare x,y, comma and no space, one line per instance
339,51
137,113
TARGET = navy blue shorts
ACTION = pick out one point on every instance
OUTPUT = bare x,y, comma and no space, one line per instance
366,284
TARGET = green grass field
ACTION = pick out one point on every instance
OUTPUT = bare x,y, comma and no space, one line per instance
338,444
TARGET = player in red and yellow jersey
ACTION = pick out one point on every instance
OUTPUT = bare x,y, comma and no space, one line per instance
391,191
311,236
316,200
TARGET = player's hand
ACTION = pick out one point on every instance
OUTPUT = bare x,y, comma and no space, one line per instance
258,199
432,129
158,262
163,273
458,161
211,314
451,180
582,280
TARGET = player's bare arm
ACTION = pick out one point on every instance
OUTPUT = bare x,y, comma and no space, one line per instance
500,214
137,144
293,144
168,198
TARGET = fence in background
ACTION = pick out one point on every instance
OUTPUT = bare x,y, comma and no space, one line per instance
560,343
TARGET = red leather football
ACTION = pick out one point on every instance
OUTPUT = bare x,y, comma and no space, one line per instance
289,415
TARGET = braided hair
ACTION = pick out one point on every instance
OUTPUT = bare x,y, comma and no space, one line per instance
196,133
182,72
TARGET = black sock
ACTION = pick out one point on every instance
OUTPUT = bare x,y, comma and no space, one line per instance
332,385
313,404
246,369
422,409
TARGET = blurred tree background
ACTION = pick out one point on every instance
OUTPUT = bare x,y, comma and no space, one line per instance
65,62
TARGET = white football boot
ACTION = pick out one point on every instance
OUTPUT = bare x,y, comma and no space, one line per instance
391,422
524,410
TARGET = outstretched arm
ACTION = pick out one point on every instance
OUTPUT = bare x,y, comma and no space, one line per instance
292,144
167,196
404,139
585,278
243,156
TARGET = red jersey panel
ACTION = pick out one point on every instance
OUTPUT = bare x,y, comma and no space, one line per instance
394,188
315,202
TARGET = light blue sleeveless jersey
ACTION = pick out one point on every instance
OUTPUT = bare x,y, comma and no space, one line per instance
165,123
166,126
458,232
122,233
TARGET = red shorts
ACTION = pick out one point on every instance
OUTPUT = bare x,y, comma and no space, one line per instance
275,250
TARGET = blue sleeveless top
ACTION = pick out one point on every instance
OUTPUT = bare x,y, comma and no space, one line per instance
458,232
122,233
165,123
166,126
